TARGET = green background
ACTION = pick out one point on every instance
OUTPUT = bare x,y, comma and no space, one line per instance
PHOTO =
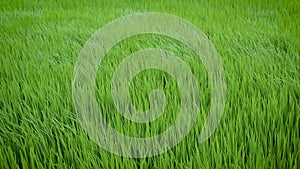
258,43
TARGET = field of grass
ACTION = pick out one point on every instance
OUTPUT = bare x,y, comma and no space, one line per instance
258,43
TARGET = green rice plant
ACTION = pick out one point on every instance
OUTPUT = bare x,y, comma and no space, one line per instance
257,42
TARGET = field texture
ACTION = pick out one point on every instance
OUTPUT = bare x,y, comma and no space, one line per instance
258,43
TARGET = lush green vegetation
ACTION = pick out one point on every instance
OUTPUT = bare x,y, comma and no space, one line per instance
258,43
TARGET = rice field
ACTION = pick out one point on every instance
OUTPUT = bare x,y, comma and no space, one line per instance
258,43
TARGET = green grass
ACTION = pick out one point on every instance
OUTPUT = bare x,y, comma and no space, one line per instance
258,43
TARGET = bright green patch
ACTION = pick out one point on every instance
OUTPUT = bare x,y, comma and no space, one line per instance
258,44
